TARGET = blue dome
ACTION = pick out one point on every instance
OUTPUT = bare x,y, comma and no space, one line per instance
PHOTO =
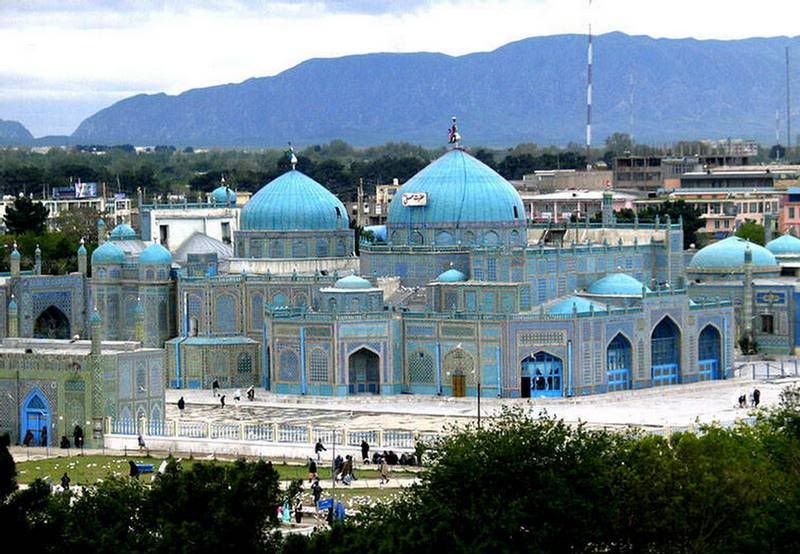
617,284
729,253
786,244
82,249
123,231
221,195
15,253
460,189
108,253
155,254
352,282
12,305
294,202
95,317
452,275
581,305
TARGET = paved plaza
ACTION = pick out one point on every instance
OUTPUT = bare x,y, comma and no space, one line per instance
675,406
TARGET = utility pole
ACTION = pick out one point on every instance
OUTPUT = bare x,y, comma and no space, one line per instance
589,96
788,109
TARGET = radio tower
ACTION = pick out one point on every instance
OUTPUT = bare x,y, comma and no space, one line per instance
589,95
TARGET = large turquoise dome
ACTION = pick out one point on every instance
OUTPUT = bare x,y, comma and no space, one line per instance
786,245
729,254
460,189
294,202
155,254
108,253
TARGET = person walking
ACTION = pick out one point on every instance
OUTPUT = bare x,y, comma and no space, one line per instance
44,442
142,446
365,451
28,438
312,470
65,480
77,436
756,397
251,393
319,449
384,471
215,387
237,395
222,401
298,511
181,405
316,491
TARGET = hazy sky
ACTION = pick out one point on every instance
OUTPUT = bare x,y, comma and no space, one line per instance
63,60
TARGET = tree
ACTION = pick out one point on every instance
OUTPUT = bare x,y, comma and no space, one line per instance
25,215
77,224
619,143
8,470
751,231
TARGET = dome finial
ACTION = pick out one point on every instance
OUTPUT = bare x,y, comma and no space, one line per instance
291,157
454,136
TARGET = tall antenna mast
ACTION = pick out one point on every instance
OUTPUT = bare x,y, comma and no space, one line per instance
788,109
778,134
589,95
630,105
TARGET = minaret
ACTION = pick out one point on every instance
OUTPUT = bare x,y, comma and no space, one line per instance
360,209
138,329
82,258
15,260
608,208
767,228
747,301
37,261
101,231
96,323
13,318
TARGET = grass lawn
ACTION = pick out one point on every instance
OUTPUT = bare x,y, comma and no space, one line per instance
85,470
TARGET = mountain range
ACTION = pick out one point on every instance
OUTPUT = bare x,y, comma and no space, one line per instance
533,90
13,133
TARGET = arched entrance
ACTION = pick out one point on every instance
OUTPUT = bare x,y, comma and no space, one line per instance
665,349
51,324
35,417
364,366
458,365
541,375
708,353
618,363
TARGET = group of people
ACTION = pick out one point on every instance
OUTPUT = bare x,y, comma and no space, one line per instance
755,399
237,395
29,438
77,437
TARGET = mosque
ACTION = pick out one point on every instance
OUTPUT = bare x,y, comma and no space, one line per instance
458,294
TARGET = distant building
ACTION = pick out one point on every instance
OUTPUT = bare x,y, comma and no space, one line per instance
551,180
115,210
651,173
373,209
563,205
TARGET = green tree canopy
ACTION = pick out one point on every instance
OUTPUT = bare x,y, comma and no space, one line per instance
752,231
25,215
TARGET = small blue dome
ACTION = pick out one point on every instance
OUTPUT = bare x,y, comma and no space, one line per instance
729,253
139,308
123,231
221,195
108,253
82,249
459,189
12,305
784,245
617,284
155,254
352,282
452,275
294,202
15,253
95,317
581,305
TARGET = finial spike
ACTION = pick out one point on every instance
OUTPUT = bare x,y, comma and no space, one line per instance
454,136
291,156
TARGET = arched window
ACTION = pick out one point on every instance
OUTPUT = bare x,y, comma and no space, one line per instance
256,311
322,248
279,300
225,314
341,248
332,304
276,249
149,274
289,367
318,366
299,249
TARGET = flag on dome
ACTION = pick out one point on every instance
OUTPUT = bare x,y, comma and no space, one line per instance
454,137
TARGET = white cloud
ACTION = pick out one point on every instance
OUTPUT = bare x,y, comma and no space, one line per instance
172,46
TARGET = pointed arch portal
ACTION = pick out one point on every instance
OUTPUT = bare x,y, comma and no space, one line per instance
51,324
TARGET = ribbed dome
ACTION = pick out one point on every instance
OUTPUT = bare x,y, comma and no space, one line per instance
460,189
729,253
123,231
784,245
617,284
452,275
221,195
352,282
155,254
581,306
108,253
293,202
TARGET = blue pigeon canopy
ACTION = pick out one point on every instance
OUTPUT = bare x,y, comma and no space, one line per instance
352,282
223,194
452,275
580,305
294,202
784,245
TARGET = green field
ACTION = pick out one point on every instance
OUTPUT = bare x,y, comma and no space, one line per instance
86,470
